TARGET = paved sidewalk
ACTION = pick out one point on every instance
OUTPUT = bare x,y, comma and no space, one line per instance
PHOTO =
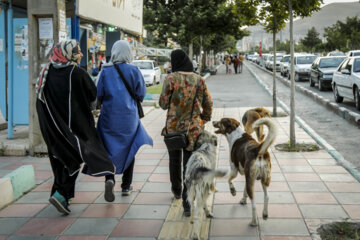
306,189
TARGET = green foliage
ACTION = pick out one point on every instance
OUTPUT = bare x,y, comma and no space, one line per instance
343,36
311,40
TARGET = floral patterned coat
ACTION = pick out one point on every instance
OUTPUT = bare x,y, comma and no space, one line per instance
180,89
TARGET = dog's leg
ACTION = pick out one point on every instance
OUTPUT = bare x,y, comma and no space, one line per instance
233,174
250,182
245,195
206,208
266,201
197,209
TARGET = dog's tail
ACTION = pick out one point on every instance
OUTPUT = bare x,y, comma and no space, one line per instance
271,134
204,172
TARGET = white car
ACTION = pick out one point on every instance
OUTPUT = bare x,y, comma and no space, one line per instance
271,62
302,66
346,81
353,53
150,71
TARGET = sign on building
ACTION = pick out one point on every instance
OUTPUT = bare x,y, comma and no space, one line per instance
125,14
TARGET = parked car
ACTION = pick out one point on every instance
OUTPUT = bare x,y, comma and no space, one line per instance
346,81
263,59
271,62
322,71
353,53
150,71
335,53
284,65
302,66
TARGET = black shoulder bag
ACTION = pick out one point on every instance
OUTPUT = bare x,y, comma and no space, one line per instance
178,140
140,109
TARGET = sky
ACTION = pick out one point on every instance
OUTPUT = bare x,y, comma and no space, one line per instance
332,1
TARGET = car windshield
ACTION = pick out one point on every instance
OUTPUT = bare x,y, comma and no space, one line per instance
337,54
330,62
278,58
357,65
143,65
305,59
286,59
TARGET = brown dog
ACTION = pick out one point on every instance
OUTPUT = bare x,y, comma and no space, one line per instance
248,157
250,117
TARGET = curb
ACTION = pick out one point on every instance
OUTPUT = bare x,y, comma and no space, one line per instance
350,116
330,149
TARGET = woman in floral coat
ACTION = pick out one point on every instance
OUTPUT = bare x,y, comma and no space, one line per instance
177,97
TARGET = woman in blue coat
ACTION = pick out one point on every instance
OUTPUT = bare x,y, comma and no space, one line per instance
119,125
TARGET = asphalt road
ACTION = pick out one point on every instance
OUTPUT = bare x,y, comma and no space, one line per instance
242,90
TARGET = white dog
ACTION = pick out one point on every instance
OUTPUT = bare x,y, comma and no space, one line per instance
199,178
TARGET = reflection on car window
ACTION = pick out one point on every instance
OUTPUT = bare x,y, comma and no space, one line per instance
305,59
330,62
357,65
343,65
143,65
356,54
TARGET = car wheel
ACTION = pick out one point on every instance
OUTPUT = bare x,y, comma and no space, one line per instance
320,85
337,97
357,98
296,77
312,84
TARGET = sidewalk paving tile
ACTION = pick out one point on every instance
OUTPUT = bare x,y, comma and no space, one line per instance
105,211
314,198
92,226
322,162
352,210
82,238
162,169
21,210
51,212
154,198
29,237
283,227
297,169
45,226
235,238
280,210
323,211
11,225
137,228
302,177
286,238
308,187
232,211
159,177
156,187
143,169
85,197
232,227
329,169
337,177
343,187
348,198
130,238
34,197
296,162
118,198
146,212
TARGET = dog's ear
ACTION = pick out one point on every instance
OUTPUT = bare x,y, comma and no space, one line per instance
230,124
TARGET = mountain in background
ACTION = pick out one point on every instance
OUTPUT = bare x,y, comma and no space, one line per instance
327,16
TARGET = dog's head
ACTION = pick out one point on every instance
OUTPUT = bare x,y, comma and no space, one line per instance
206,137
226,125
263,112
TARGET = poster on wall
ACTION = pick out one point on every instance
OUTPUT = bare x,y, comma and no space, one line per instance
45,28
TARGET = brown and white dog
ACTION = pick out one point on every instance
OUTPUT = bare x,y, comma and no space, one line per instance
250,117
248,157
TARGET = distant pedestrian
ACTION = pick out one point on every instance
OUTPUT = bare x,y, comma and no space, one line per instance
236,64
241,62
119,125
227,64
64,96
184,114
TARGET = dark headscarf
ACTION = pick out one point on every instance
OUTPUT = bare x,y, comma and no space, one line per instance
180,61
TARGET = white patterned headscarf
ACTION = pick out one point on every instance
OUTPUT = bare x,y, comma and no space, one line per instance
121,52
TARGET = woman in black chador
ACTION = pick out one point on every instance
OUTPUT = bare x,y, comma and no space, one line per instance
64,96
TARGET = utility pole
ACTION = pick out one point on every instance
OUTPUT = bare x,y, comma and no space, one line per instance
292,82
52,12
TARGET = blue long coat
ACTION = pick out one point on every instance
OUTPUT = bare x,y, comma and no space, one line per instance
119,126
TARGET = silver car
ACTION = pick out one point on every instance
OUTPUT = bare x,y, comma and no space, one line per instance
150,71
346,81
284,65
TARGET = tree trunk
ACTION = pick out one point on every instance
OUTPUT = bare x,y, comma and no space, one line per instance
274,75
292,82
201,55
191,50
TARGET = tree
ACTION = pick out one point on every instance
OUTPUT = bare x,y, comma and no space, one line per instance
311,40
343,36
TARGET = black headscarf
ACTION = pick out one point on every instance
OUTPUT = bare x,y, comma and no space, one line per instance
180,61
